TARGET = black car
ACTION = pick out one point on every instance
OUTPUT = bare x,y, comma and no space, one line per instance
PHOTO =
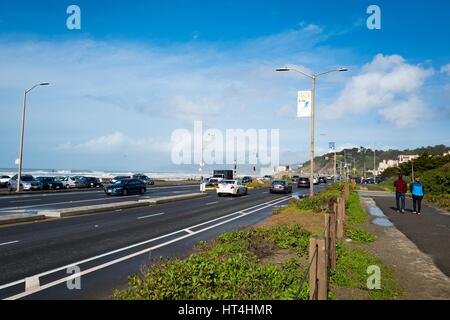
303,182
280,186
125,187
247,179
144,179
49,183
92,182
295,178
322,180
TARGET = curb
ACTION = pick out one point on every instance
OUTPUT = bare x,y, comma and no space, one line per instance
21,217
77,211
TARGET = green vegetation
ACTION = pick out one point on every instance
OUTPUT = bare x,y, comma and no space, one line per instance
258,184
320,202
351,272
231,267
356,216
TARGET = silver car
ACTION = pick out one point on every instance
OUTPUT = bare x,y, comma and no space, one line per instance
27,182
74,182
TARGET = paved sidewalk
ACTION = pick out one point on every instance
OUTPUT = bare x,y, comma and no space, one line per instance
430,231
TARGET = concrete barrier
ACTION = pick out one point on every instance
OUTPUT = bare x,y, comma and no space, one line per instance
76,211
20,217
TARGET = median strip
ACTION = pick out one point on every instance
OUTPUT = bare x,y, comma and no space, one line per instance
20,217
76,211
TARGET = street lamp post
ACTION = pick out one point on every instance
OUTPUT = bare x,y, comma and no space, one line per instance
23,129
334,170
313,77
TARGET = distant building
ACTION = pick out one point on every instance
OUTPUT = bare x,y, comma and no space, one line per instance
446,153
387,164
407,157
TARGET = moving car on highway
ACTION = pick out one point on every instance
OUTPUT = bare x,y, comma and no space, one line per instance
267,177
233,187
322,180
49,183
295,178
280,186
303,182
27,182
4,180
125,187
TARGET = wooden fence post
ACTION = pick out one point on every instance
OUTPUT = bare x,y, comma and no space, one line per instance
340,219
318,274
332,243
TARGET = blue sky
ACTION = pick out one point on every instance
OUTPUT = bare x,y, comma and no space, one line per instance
137,71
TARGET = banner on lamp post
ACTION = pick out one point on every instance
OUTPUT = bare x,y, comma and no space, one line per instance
304,104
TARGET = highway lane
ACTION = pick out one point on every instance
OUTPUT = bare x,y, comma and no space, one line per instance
35,202
35,248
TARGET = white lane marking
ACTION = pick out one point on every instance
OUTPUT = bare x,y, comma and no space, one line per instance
262,206
265,192
210,203
189,231
25,200
10,242
151,215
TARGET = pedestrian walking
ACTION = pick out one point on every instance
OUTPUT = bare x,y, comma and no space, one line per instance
400,193
417,194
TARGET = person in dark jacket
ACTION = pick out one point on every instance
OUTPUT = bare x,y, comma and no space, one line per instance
400,193
416,189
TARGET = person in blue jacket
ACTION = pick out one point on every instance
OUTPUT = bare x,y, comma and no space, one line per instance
417,194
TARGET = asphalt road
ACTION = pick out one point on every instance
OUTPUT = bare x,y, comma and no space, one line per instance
33,202
429,231
108,247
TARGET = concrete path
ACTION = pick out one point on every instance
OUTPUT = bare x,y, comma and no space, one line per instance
430,231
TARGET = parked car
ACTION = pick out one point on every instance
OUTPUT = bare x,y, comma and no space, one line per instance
369,181
27,182
280,186
247,179
144,178
49,183
4,180
74,182
92,182
303,182
233,187
125,187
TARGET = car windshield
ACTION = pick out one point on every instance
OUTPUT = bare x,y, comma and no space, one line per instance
228,182
123,181
27,178
279,183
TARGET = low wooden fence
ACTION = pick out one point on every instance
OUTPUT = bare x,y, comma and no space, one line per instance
322,250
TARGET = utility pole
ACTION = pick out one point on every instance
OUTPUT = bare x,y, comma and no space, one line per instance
313,77
374,162
19,174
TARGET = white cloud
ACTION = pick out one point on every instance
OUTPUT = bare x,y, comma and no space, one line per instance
388,84
115,141
446,69
405,114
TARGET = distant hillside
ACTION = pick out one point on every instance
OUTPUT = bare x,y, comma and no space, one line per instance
362,157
